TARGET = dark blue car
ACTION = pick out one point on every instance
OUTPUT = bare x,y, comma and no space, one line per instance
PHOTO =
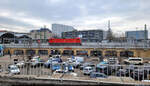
98,75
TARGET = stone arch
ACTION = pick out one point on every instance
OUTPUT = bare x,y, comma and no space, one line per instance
126,54
68,52
110,53
96,53
55,52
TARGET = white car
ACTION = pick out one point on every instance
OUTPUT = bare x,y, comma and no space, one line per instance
87,70
60,71
13,69
20,64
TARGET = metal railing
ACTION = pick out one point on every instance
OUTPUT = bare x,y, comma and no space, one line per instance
84,45
132,72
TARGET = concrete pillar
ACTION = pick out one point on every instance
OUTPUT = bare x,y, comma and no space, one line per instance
103,53
36,52
118,53
12,51
138,53
24,51
61,51
75,52
89,52
49,51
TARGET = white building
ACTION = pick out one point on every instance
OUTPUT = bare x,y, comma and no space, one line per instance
57,29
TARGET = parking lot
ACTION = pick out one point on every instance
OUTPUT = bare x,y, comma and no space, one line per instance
88,69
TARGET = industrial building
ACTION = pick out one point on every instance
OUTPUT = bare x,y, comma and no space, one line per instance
137,35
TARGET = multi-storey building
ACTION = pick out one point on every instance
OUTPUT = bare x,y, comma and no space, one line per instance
137,35
86,35
57,29
42,34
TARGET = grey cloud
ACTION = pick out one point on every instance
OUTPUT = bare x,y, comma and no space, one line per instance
13,22
75,10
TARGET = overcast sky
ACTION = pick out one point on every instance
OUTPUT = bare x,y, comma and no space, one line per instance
24,15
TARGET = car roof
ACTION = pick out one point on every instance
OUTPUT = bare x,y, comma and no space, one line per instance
12,66
88,67
97,73
135,58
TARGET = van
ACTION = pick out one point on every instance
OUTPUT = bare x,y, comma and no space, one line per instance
133,60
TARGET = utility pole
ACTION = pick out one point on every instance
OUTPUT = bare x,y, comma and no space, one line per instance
109,33
145,35
145,31
14,37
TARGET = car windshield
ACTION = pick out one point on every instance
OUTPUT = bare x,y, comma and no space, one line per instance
49,61
99,75
134,59
56,64
13,68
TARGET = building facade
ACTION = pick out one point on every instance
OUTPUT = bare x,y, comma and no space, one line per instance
86,35
42,34
137,35
57,29
7,37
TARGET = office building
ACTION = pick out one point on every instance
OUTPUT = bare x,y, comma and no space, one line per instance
86,35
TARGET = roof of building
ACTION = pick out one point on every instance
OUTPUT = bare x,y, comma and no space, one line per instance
41,29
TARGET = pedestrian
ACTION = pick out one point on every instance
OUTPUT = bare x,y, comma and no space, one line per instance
9,54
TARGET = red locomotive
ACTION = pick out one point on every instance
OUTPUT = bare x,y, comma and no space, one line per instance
64,42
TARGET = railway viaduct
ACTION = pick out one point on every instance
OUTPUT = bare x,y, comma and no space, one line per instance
89,50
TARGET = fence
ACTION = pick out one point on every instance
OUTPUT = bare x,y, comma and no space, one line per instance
84,45
135,72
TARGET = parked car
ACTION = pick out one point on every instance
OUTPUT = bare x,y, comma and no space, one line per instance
56,67
36,61
98,75
88,70
13,69
131,68
79,59
139,74
57,58
20,64
49,63
69,67
113,60
76,61
1,69
122,72
86,64
60,71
